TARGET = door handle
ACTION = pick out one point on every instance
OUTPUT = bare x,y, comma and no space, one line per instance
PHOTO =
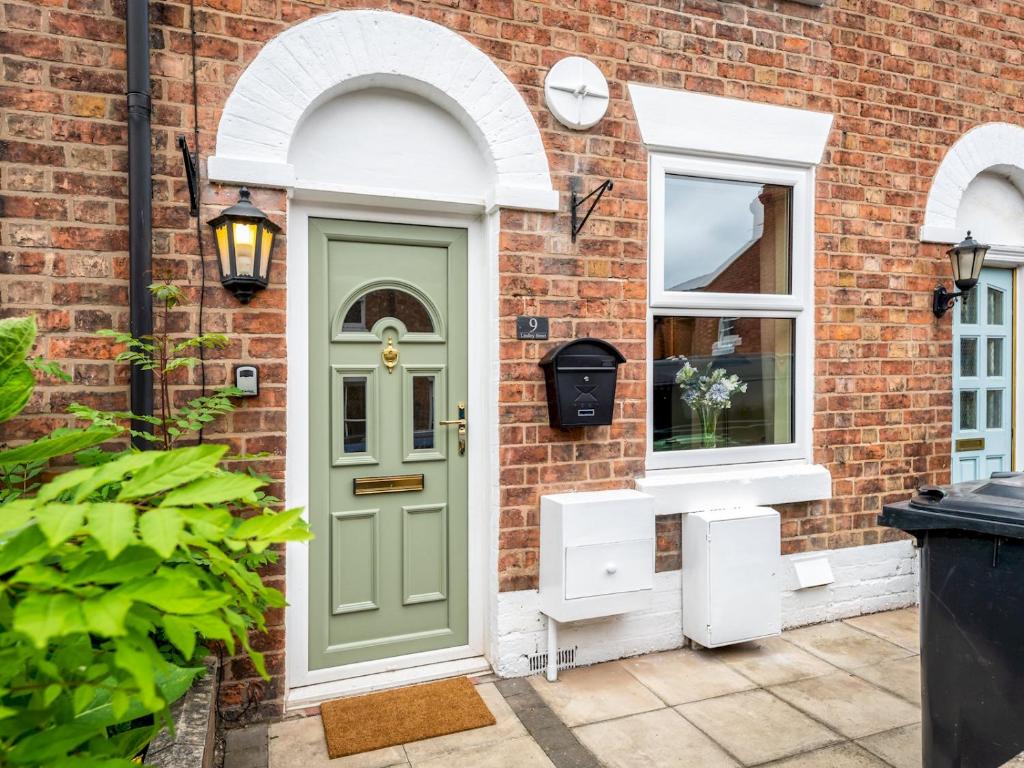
461,424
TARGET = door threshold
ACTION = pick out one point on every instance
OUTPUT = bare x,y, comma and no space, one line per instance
313,695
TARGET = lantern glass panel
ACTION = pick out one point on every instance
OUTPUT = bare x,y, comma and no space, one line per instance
223,249
245,247
266,242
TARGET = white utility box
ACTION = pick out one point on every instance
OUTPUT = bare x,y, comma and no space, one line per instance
731,575
596,557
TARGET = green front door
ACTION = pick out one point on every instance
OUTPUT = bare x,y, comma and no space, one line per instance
388,499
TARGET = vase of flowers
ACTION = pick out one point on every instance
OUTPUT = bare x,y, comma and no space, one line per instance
708,393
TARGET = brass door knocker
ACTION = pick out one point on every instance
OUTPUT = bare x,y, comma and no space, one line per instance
390,355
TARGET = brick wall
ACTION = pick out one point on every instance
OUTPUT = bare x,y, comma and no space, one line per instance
904,79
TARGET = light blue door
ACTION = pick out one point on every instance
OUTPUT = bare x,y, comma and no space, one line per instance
983,378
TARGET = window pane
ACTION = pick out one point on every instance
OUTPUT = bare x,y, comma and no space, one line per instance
422,411
968,409
698,403
995,357
726,236
968,357
969,308
995,306
994,409
387,302
354,413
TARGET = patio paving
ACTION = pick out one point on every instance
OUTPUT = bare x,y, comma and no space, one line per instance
838,695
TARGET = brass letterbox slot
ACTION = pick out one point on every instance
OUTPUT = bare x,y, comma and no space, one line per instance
364,486
970,444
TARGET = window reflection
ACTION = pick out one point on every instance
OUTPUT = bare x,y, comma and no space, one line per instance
422,412
353,390
387,302
689,407
726,236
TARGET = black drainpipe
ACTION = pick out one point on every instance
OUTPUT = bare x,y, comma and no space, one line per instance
140,206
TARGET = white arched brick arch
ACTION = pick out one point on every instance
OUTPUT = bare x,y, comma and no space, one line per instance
987,146
337,52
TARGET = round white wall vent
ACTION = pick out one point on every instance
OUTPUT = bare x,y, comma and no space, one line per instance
576,92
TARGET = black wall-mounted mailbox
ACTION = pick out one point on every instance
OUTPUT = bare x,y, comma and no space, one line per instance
580,377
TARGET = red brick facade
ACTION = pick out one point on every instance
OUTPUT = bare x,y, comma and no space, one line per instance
904,83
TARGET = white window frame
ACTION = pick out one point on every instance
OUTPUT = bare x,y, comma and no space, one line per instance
797,305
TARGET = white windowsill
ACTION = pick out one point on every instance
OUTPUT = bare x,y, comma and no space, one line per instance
678,492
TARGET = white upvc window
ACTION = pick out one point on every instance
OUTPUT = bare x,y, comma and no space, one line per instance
731,298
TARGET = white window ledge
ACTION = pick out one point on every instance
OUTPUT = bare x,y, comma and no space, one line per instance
684,492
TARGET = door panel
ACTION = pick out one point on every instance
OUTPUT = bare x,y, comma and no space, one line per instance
983,378
388,501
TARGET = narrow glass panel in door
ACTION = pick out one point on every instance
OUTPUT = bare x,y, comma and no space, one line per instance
983,378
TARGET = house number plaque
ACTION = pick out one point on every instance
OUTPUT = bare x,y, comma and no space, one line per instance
531,328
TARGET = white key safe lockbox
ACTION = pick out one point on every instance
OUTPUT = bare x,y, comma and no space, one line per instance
596,557
731,575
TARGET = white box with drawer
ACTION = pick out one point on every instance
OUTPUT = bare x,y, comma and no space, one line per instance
596,556
731,575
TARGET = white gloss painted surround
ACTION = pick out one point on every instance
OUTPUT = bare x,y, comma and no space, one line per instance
334,53
482,451
982,148
683,121
798,305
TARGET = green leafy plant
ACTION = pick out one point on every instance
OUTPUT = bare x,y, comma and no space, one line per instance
162,355
113,578
21,467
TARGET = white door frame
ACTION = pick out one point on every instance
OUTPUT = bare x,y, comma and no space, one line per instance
305,686
1012,257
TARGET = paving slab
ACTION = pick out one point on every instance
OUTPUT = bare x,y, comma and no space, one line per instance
845,646
902,677
515,753
300,743
847,755
756,727
772,661
506,728
899,627
679,677
659,739
848,704
901,747
591,694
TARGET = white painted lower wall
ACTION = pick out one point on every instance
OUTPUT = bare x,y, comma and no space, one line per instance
871,578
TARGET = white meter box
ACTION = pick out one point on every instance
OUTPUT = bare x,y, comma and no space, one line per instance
731,575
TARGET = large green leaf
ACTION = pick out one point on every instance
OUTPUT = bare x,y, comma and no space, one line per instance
181,634
43,616
174,594
105,615
58,444
17,335
114,472
268,524
50,746
15,390
112,525
132,563
27,546
161,529
172,469
215,490
59,522
172,682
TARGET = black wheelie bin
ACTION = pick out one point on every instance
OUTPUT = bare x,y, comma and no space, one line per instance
971,537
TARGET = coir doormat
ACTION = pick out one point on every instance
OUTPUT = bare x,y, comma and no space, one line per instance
384,719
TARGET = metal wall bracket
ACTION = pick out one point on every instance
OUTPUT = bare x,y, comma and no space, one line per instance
191,176
575,202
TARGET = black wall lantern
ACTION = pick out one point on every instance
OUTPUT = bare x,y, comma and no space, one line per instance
967,258
245,237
